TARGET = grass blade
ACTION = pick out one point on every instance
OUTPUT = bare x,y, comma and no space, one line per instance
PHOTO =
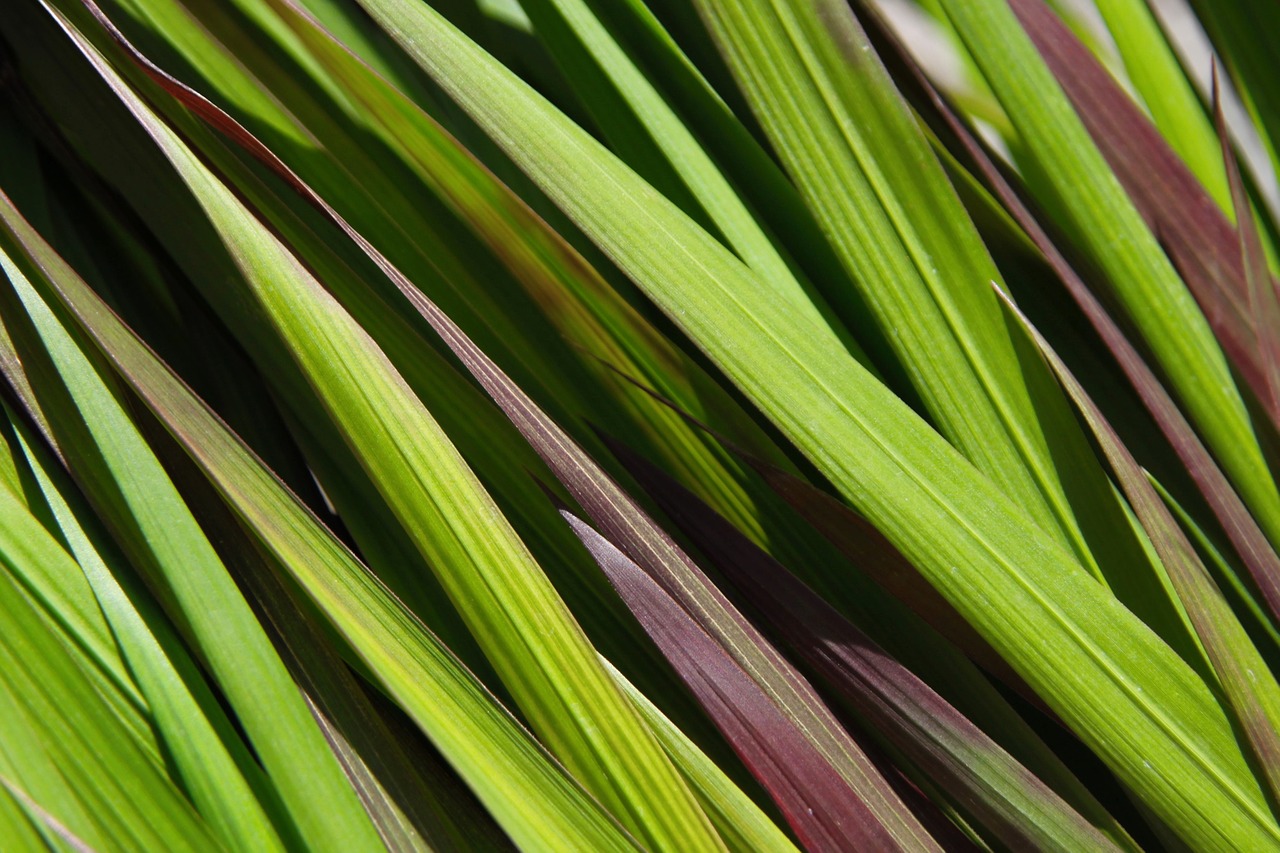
1175,106
715,301
955,755
1193,228
575,469
1251,690
211,760
1241,527
76,761
518,618
1100,217
741,823
1264,304
866,171
535,800
132,492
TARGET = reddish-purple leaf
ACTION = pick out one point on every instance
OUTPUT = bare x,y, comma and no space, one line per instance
958,757
1255,551
1192,228
1252,694
816,801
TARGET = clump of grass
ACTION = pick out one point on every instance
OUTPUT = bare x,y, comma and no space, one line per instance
575,425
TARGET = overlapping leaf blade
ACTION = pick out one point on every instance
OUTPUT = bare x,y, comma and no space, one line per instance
824,812
742,823
1241,527
63,748
954,754
883,461
352,388
534,799
517,617
216,767
1102,222
1250,687
154,527
583,478
867,173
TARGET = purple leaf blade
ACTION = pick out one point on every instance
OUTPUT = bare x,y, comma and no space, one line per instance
1006,798
1264,304
623,521
1241,528
817,803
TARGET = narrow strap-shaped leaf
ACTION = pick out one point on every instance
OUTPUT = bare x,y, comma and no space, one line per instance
59,586
1263,301
411,815
1226,571
517,616
824,812
595,318
1251,689
210,757
742,824
537,803
1240,33
1159,77
133,494
869,550
867,173
648,134
128,801
954,754
1105,224
1240,525
593,487
1193,227
21,829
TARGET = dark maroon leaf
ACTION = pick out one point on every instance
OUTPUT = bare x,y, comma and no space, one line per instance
868,550
957,756
824,812
1263,302
624,522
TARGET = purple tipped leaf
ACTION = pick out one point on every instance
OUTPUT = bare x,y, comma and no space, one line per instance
1252,694
1239,524
1007,799
1199,238
818,804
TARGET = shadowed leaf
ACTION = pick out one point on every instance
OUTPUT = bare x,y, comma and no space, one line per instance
1191,226
589,485
531,796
